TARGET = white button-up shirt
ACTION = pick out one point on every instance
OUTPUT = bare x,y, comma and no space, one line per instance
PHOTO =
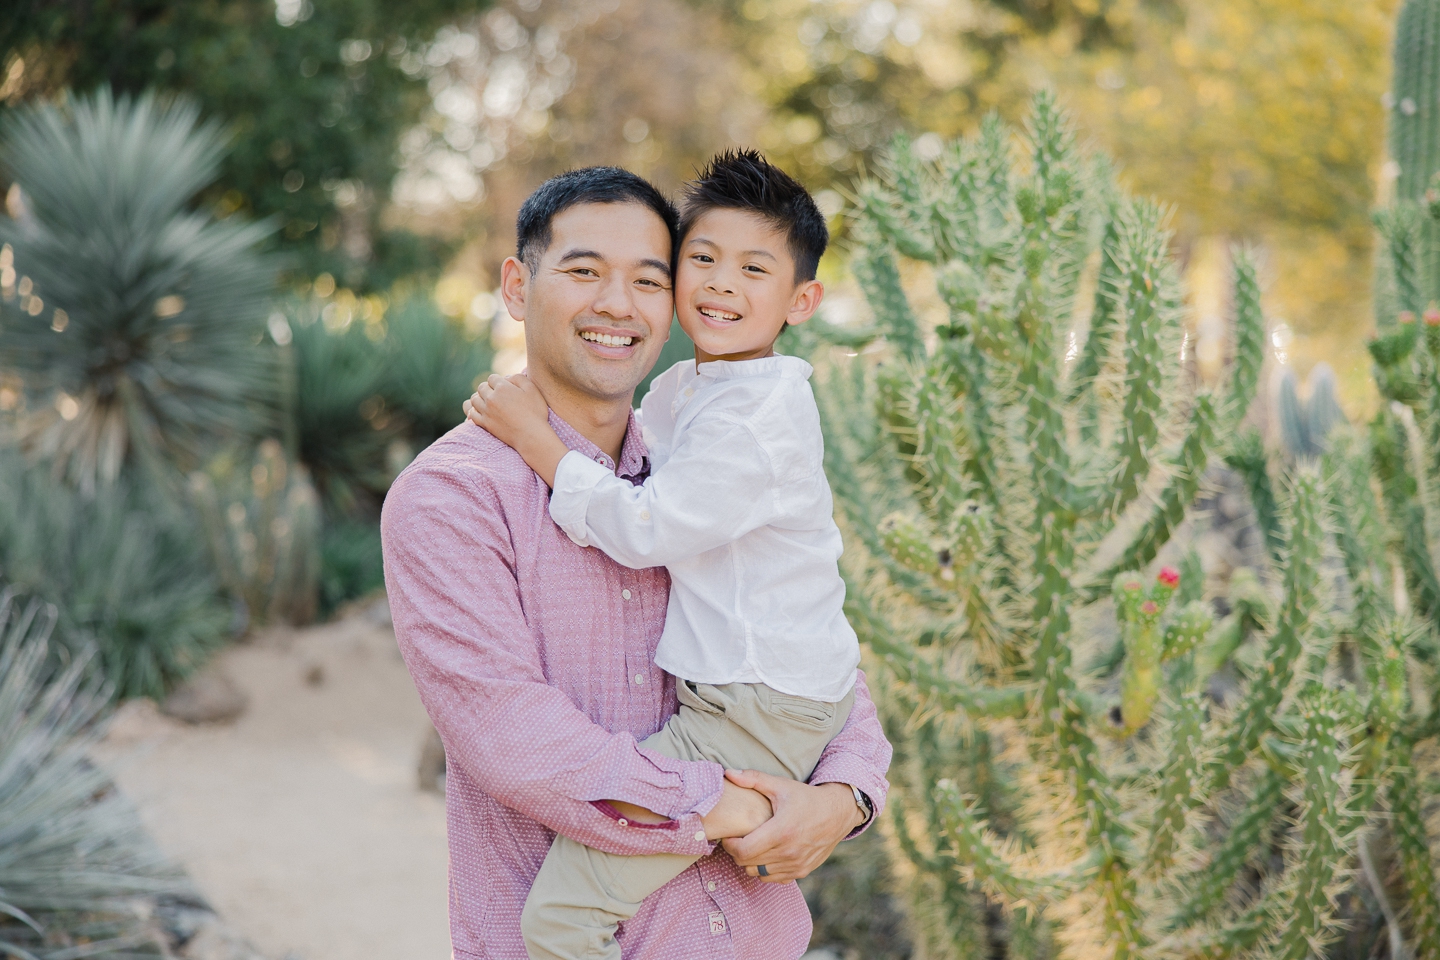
738,508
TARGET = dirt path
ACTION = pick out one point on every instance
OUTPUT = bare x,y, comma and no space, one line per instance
301,822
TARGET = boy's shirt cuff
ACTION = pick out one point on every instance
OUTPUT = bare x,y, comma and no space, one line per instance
575,479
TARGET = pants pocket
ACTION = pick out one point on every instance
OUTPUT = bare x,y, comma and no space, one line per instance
811,713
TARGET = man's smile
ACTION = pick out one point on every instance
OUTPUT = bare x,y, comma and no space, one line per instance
609,340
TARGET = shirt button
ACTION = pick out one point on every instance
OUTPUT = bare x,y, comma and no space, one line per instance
711,886
625,594
689,391
640,678
600,459
699,834
644,514
624,822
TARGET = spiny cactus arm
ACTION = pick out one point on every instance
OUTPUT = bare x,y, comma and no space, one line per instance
1302,578
1325,830
1417,867
1102,314
1247,457
1187,628
1187,469
923,861
933,688
1206,887
1426,491
979,852
1249,356
1142,304
1399,225
910,238
874,267
1390,459
1355,513
1178,782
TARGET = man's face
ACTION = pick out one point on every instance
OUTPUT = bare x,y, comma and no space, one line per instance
597,307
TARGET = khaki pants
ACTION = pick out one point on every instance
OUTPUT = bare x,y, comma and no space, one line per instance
582,894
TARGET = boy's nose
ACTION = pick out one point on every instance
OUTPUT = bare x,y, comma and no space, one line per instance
719,285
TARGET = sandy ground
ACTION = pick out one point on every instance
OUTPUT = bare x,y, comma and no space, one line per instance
301,822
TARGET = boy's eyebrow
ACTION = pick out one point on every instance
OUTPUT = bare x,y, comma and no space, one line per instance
744,253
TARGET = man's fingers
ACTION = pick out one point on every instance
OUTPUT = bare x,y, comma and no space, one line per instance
771,786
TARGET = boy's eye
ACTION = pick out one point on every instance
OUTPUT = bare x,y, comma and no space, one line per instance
702,258
755,267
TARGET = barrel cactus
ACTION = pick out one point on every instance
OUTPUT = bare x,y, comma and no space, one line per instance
1011,460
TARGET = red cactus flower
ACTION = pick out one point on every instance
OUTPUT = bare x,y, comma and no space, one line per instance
1169,576
1432,317
1407,316
1149,608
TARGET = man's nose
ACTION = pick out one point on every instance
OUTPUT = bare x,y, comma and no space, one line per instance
615,300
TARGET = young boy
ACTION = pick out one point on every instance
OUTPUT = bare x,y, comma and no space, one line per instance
736,507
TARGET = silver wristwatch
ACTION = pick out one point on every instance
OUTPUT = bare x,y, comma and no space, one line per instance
863,802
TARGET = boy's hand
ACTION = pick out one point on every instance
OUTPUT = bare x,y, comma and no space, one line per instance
511,408
514,411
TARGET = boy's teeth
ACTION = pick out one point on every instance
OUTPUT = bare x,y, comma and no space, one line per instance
607,339
719,314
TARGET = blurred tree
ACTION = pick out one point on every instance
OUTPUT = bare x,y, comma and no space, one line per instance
841,76
318,95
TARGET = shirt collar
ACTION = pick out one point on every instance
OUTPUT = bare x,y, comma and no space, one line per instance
634,457
778,365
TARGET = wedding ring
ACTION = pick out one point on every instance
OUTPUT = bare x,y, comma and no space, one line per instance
763,872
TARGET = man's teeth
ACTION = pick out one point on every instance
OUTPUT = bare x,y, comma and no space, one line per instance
719,314
607,339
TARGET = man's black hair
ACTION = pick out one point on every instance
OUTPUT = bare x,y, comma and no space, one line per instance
745,180
586,185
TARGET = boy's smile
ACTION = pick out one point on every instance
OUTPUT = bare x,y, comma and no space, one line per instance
735,287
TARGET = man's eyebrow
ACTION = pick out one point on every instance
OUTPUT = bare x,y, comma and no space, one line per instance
660,265
580,255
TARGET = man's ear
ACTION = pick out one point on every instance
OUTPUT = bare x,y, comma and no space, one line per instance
806,301
514,285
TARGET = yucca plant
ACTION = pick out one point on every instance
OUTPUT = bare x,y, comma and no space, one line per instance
262,523
1011,468
131,319
125,567
342,423
74,861
432,363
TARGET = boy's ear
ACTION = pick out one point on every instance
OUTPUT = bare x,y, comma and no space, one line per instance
514,285
805,302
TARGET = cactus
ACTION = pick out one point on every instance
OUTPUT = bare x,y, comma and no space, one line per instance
1011,468
263,528
1414,107
1305,424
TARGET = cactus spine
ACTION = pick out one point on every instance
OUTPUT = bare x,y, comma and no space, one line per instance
1011,467
263,528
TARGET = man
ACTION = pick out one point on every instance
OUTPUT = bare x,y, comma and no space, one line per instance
534,656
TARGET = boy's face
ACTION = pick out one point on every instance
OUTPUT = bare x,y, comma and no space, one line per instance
735,286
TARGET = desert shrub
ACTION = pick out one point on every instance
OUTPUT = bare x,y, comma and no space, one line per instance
128,321
73,857
126,568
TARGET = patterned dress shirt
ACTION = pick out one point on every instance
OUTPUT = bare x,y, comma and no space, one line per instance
534,659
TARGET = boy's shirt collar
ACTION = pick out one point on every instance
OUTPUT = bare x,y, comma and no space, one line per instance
777,365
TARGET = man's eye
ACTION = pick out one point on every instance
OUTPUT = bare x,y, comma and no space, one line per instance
584,272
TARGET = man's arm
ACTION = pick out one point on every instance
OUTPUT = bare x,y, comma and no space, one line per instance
811,819
455,600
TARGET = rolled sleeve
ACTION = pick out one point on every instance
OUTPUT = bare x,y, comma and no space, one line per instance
859,756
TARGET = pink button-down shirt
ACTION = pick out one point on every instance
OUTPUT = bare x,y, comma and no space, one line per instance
534,658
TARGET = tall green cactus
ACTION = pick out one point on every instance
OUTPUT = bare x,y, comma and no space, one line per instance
263,527
1414,106
1010,466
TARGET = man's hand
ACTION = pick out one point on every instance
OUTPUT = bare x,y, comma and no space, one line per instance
514,411
808,824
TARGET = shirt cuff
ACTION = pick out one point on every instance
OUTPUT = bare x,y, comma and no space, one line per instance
575,479
851,772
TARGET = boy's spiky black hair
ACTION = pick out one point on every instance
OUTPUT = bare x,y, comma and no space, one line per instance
745,180
586,185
